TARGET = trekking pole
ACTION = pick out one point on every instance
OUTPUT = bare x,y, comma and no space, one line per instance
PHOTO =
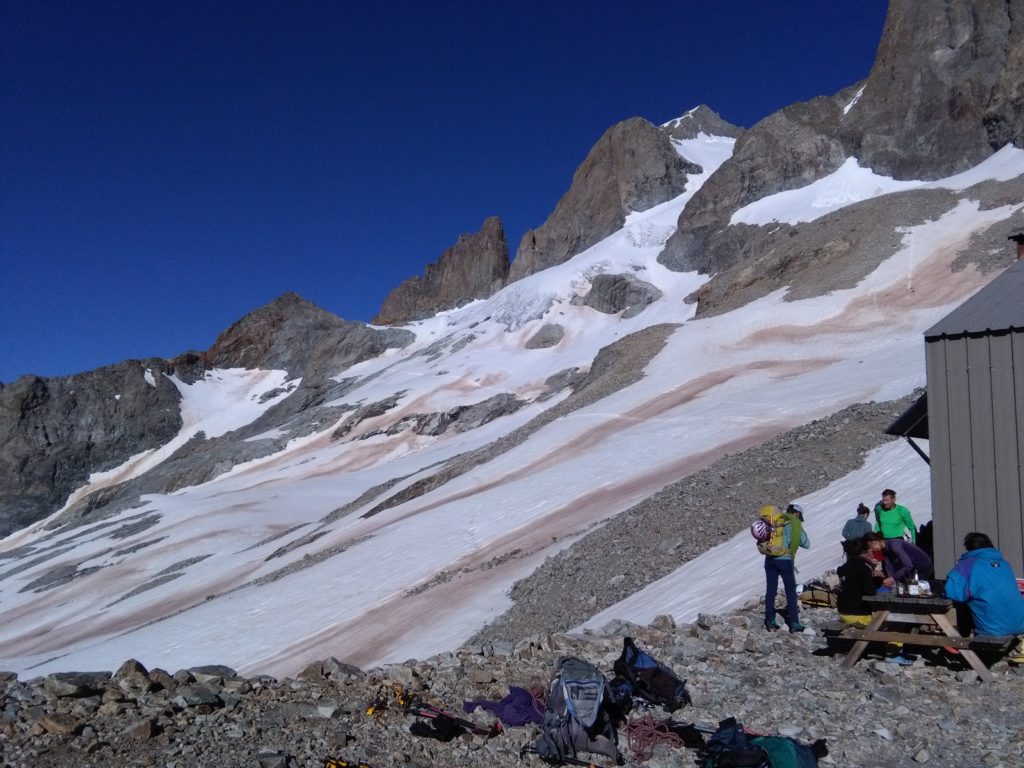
420,709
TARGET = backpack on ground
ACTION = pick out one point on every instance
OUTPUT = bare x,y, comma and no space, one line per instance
649,679
776,522
578,717
785,752
820,594
730,746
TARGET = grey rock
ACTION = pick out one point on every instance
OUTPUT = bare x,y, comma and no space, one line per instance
75,684
196,695
470,417
273,760
791,148
611,293
211,673
942,96
548,335
54,432
339,670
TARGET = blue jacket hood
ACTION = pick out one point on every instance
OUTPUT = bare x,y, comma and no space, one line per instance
985,553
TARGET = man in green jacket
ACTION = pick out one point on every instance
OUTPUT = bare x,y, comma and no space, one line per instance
892,518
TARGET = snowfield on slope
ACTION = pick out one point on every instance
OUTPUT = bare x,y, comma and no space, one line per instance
244,570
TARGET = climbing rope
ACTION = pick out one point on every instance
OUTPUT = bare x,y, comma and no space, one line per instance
645,733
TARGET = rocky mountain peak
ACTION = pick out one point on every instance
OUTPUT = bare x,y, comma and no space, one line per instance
944,92
943,95
700,119
632,167
474,268
278,335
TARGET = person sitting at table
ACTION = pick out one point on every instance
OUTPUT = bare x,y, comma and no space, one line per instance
875,545
892,519
856,579
857,526
986,583
903,558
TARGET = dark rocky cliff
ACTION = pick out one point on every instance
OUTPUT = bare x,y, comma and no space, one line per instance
632,167
474,268
55,432
945,90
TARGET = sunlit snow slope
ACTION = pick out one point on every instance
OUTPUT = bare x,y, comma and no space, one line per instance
252,570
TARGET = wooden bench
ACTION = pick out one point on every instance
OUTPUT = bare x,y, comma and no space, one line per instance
998,644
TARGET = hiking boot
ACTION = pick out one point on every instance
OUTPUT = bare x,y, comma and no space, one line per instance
797,627
771,626
900,659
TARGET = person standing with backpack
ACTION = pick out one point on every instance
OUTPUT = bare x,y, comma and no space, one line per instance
779,551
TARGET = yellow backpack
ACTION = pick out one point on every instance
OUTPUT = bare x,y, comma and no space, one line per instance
777,522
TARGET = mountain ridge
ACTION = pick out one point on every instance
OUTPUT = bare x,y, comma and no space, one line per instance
533,414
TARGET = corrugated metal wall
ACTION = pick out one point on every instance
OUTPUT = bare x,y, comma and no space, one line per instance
976,442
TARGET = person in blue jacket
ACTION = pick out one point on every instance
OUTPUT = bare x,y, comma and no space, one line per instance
985,581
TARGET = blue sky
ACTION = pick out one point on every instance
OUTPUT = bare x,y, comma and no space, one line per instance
167,167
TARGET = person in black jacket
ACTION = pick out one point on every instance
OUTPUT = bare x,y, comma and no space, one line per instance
856,579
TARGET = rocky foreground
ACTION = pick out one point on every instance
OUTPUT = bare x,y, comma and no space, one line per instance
934,713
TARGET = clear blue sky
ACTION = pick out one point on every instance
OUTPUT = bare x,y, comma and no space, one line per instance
167,167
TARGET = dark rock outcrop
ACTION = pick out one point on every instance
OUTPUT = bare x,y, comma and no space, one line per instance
619,293
55,432
474,268
549,335
632,167
943,95
945,90
791,148
295,335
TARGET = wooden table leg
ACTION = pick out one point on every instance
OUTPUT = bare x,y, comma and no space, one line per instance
969,656
877,620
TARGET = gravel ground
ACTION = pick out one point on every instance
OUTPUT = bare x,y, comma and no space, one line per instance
932,714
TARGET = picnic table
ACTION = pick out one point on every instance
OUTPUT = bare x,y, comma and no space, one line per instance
901,619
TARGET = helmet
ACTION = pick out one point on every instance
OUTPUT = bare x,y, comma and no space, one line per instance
761,530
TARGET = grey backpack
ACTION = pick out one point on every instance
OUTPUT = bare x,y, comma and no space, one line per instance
577,718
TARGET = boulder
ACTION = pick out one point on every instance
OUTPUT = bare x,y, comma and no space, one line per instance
548,335
611,294
75,685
